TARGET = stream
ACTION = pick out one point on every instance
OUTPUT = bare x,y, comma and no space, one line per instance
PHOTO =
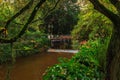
32,67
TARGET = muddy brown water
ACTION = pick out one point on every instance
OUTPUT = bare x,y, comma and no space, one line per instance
32,67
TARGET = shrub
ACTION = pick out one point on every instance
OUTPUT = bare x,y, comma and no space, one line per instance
30,43
73,70
5,53
85,65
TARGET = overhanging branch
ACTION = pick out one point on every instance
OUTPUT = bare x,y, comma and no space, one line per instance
48,12
36,8
102,9
18,13
116,3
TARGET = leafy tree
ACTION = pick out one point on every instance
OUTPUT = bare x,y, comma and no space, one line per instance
113,53
91,26
29,20
64,17
18,21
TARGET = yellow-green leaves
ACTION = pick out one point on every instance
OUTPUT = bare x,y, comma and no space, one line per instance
0,1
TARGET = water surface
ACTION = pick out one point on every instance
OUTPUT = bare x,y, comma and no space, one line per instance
32,67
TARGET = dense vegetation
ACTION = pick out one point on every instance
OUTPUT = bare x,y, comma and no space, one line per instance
33,41
91,36
30,43
87,64
93,25
63,18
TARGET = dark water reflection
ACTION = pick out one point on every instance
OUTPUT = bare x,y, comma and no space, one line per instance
32,68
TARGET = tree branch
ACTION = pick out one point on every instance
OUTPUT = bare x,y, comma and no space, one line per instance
48,12
18,23
102,9
36,8
116,3
18,13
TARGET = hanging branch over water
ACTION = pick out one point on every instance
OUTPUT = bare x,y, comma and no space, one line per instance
48,12
36,8
42,18
17,14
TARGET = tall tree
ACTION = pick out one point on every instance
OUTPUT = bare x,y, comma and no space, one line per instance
36,8
29,20
113,53
63,18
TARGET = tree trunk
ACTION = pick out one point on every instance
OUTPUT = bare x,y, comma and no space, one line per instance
113,55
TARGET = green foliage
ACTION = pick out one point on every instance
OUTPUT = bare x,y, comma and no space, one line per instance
69,71
91,25
30,43
73,70
98,49
5,53
6,10
63,18
85,65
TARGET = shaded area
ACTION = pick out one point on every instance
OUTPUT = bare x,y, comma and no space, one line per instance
60,41
33,67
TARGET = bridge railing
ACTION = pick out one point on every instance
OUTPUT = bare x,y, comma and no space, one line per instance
61,42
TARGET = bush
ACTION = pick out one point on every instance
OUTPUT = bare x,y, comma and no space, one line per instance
85,65
73,70
5,53
30,43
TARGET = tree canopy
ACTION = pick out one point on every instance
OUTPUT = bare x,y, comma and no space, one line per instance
29,18
90,21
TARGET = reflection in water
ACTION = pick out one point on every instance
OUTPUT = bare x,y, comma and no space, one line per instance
32,68
8,72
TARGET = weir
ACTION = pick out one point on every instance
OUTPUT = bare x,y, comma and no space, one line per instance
62,50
